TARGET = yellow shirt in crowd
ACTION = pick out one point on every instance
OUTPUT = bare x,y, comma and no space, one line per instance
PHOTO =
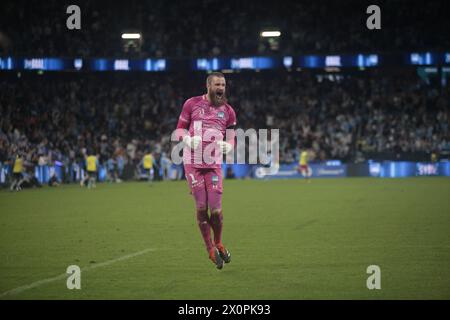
303,158
91,163
148,161
18,165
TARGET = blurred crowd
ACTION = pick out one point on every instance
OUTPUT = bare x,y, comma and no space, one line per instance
217,28
120,117
347,117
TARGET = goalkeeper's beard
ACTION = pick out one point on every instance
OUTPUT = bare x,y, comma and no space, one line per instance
215,101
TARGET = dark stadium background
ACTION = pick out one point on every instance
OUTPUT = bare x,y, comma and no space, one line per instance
388,119
353,115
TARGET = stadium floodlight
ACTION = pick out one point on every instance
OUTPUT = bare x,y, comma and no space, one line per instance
131,35
269,34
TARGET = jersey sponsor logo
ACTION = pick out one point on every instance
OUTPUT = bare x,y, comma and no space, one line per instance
215,181
221,114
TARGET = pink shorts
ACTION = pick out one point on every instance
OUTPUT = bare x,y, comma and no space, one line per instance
208,179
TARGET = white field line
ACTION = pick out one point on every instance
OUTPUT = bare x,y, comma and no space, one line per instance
65,275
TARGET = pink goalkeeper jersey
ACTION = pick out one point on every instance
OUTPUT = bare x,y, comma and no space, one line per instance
198,114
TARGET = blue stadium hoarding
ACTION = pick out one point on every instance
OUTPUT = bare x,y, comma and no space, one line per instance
427,58
128,64
329,61
7,64
385,169
46,64
422,58
76,64
289,171
239,63
254,63
401,169
427,169
288,62
392,169
360,60
209,64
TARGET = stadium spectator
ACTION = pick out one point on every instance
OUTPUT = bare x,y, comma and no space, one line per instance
39,28
342,116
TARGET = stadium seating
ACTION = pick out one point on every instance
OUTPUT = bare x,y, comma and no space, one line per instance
181,29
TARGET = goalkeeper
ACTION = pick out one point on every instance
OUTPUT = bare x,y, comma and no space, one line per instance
201,115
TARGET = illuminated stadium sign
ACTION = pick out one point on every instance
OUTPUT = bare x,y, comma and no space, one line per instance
250,63
427,169
155,64
242,63
67,64
78,63
421,58
287,62
333,61
236,63
370,60
121,64
306,61
43,64
253,63
6,63
33,64
428,58
208,64
128,65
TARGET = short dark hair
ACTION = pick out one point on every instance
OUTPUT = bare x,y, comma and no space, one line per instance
214,74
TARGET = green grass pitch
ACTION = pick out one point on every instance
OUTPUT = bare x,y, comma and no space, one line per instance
288,239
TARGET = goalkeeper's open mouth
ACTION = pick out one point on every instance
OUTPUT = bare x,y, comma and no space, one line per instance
219,95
